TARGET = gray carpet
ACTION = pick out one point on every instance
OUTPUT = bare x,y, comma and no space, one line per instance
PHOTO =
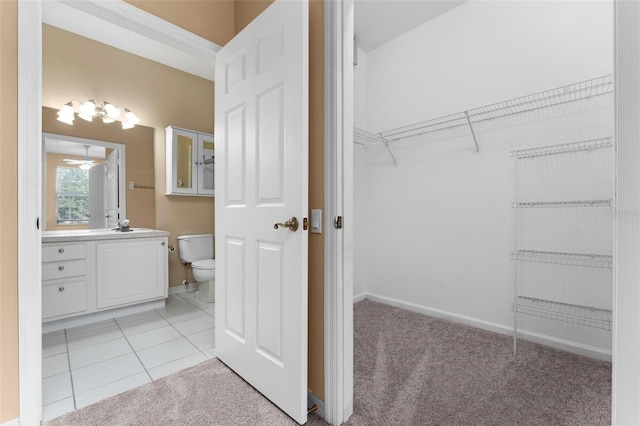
409,370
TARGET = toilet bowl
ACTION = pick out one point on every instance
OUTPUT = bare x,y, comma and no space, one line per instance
198,251
204,272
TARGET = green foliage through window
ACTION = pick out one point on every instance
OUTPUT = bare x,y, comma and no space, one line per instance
72,193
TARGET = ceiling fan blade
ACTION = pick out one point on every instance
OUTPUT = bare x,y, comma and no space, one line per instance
70,161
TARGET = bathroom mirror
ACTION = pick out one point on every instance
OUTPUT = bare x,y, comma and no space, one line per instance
83,183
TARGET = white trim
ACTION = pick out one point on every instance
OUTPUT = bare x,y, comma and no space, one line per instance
29,173
565,345
29,209
121,25
338,170
359,297
14,422
178,289
318,402
625,387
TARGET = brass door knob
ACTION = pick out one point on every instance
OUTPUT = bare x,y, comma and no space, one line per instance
292,224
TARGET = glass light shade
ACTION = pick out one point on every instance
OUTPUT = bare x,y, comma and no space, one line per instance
126,125
88,117
107,120
131,117
85,166
65,118
88,108
112,112
67,109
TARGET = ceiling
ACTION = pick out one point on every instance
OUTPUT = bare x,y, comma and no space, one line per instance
59,146
379,21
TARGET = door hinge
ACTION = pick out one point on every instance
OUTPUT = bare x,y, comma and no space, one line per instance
305,223
337,222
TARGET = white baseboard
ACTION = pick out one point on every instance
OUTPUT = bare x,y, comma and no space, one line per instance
566,345
48,327
543,339
319,403
14,422
359,297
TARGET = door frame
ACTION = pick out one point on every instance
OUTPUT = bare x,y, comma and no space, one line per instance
338,201
338,354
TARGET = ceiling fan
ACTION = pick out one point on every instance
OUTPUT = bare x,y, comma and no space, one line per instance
85,163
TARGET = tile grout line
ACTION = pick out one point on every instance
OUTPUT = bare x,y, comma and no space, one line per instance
73,389
134,352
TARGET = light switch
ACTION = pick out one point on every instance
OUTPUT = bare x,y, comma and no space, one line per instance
316,221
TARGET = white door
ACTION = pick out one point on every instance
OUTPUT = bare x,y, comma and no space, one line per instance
261,175
97,214
111,188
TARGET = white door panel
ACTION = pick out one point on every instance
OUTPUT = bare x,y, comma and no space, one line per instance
262,179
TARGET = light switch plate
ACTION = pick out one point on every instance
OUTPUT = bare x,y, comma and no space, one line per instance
316,221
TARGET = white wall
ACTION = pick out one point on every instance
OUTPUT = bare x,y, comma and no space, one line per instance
437,231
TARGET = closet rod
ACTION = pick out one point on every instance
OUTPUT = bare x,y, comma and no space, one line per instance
548,98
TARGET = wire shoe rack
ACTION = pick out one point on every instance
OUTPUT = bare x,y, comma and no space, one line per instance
545,99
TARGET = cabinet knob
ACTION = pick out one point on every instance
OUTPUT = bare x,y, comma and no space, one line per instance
162,243
60,268
60,250
60,289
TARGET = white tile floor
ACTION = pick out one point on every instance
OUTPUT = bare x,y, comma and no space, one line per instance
86,364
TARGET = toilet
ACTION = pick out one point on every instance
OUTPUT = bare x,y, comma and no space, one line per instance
198,251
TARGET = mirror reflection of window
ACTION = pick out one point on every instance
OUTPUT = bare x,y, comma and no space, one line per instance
72,196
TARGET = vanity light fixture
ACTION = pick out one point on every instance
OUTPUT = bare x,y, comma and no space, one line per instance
104,110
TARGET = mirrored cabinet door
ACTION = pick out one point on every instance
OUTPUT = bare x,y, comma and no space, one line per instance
190,162
206,161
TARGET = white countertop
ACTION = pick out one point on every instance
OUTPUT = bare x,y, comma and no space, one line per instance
100,234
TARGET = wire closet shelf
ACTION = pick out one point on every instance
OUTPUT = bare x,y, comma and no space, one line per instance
589,260
588,316
548,98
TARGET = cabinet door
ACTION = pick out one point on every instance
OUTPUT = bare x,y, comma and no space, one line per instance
131,271
182,152
206,158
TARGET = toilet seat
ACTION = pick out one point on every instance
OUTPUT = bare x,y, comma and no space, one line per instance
204,264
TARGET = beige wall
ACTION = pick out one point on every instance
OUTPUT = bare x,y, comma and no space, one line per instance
9,405
139,144
245,12
211,19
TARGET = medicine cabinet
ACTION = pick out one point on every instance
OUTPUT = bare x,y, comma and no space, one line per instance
190,162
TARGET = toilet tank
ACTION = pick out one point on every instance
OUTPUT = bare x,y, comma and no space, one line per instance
195,247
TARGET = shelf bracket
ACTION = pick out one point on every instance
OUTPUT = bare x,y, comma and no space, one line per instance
466,113
386,145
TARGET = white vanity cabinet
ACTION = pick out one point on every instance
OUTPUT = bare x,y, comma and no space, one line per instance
64,279
130,271
190,160
87,274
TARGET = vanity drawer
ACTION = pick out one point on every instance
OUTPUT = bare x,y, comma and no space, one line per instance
64,269
64,298
56,252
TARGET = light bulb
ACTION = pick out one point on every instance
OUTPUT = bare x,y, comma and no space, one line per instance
85,166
